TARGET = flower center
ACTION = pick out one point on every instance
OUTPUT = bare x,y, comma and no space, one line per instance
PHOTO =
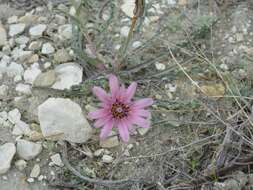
119,110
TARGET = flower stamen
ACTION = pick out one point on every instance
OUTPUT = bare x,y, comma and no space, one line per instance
119,110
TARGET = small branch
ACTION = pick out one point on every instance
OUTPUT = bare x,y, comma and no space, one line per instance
101,182
222,171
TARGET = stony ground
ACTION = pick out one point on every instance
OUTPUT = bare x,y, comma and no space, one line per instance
193,58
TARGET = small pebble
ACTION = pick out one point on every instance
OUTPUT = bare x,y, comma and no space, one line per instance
35,171
99,152
30,180
56,159
107,159
20,164
160,66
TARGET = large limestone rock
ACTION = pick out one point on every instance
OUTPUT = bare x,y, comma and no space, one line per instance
63,119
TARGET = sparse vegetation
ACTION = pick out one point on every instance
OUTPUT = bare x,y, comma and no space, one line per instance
197,67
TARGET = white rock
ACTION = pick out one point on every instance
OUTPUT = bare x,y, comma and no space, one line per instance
3,68
14,116
30,180
47,65
5,178
63,117
3,118
239,37
37,31
171,87
17,78
6,50
3,36
22,40
124,31
99,152
35,45
31,73
7,151
65,32
21,128
160,66
72,11
12,19
136,44
28,150
5,60
35,171
67,75
117,47
224,66
59,19
4,115
41,177
171,2
107,159
128,7
15,69
16,29
56,159
21,55
3,90
142,131
45,79
47,48
130,146
23,88
62,56
20,164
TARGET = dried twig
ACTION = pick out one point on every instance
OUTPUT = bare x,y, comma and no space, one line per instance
101,182
218,172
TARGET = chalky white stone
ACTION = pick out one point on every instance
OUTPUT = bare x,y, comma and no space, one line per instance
47,48
67,75
63,119
56,159
35,171
37,31
14,116
31,73
7,151
28,150
3,36
16,29
65,32
128,7
107,159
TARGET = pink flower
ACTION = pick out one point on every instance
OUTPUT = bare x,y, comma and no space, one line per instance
118,109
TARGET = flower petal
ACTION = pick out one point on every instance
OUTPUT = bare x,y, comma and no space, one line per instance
101,94
131,90
142,103
123,131
144,123
141,112
102,121
106,129
98,114
121,94
114,85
